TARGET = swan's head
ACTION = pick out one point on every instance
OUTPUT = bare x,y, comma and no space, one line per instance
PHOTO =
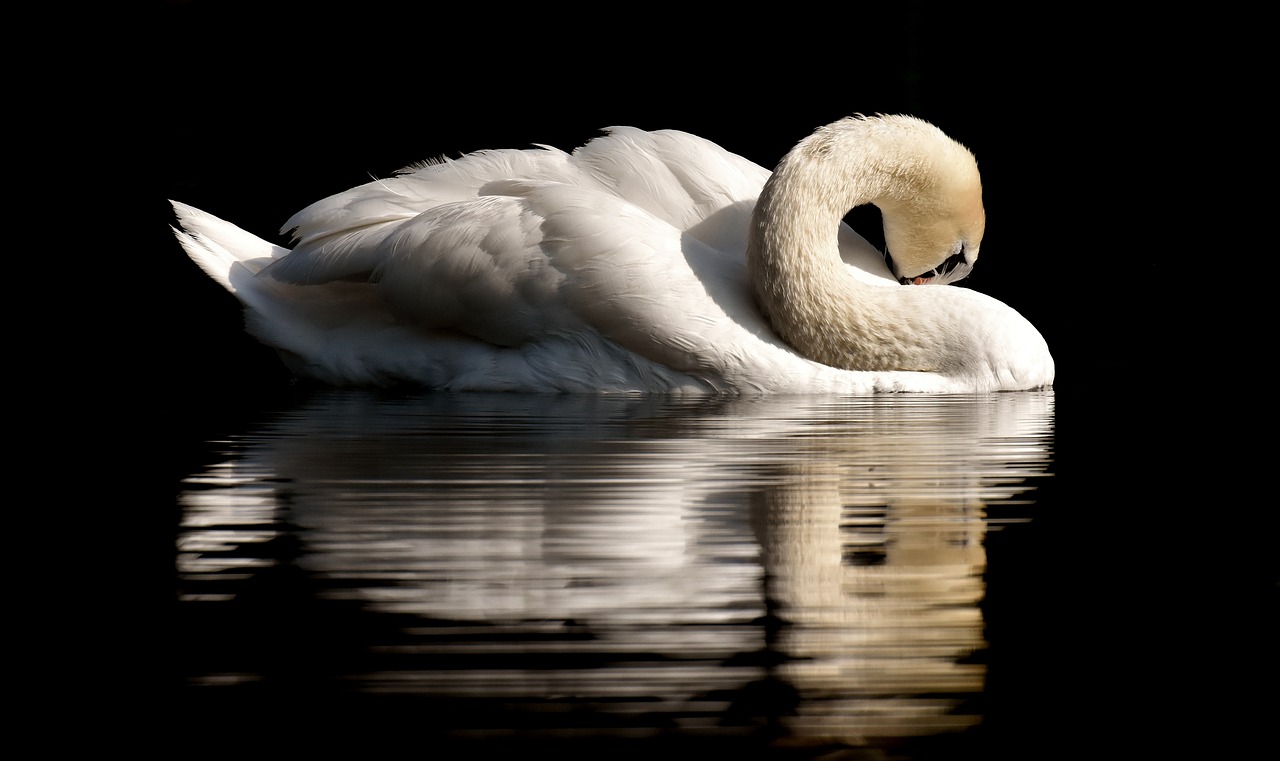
936,254
932,207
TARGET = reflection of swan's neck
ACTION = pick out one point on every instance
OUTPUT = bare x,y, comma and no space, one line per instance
800,281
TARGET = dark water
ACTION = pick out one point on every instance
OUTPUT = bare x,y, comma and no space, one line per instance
495,576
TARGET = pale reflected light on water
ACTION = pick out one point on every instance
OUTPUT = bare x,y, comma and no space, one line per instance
783,575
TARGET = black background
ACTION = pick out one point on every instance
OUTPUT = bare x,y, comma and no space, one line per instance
251,115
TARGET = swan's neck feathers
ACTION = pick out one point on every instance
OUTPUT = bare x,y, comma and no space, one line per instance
800,282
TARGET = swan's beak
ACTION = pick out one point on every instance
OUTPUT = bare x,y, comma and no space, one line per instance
956,268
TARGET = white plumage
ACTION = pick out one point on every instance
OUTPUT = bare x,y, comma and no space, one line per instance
624,267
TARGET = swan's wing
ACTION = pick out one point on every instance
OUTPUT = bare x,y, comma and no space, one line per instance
700,188
339,237
536,262
478,267
679,178
649,287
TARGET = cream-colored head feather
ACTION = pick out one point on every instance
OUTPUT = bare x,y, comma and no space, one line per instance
926,185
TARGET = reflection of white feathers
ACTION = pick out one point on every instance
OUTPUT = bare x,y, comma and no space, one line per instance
655,524
640,262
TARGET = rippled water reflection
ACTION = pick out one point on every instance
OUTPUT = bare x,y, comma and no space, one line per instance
789,573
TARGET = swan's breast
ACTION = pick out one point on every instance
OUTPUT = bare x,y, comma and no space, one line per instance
997,347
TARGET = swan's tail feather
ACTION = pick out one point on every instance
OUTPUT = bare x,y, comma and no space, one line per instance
336,332
217,246
274,312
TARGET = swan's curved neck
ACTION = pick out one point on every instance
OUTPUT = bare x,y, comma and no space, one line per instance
801,283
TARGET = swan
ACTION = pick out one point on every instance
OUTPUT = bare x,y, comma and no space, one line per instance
643,261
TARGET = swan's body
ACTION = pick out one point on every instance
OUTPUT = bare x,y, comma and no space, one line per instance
640,262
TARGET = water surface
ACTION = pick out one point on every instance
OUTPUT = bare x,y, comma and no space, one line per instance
787,576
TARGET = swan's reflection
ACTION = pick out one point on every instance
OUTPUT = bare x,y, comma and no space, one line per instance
807,565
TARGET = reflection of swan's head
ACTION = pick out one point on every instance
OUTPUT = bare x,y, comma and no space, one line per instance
931,204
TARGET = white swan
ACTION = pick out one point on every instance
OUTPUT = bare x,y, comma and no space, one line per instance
641,262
